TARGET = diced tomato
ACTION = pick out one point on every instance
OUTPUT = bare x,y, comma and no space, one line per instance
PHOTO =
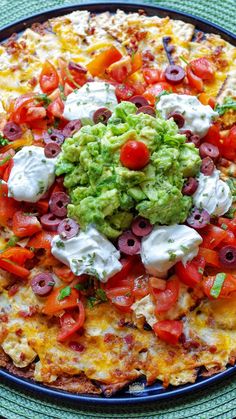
194,80
213,135
229,239
212,102
153,75
120,70
17,254
67,89
56,108
8,206
42,206
54,305
48,79
124,92
136,61
169,330
167,298
141,286
41,240
64,273
231,224
25,225
8,170
202,68
20,106
228,148
5,160
157,283
34,113
228,286
153,91
121,297
192,273
120,278
211,257
134,155
13,268
212,236
71,322
103,60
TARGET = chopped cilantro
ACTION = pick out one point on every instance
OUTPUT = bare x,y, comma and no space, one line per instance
3,141
184,248
170,240
60,244
41,187
224,226
217,285
183,59
200,271
229,103
12,242
64,292
101,295
91,302
80,287
44,98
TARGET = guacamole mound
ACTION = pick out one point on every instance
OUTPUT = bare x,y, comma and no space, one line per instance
108,195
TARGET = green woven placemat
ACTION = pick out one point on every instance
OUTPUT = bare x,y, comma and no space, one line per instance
218,401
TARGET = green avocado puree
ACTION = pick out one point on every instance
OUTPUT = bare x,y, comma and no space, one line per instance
108,195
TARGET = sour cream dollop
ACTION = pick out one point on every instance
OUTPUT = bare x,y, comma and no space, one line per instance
198,117
213,194
88,253
167,245
32,174
82,103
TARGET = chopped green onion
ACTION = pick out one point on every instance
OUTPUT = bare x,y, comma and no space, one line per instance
229,103
224,226
217,285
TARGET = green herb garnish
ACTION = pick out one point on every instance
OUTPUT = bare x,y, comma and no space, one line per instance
3,141
91,301
229,103
64,292
3,161
217,285
101,295
44,98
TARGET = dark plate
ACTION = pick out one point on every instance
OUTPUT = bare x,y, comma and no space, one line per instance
155,391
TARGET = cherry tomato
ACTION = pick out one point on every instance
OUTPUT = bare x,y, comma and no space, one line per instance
211,257
48,79
169,330
228,286
103,60
136,61
231,224
153,91
153,75
71,322
212,236
141,286
167,298
134,155
42,206
20,106
194,81
54,305
63,272
124,92
25,225
228,149
192,273
202,68
34,113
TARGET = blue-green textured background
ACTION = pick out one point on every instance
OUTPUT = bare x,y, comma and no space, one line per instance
218,401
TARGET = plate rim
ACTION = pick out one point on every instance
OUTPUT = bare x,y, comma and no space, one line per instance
44,390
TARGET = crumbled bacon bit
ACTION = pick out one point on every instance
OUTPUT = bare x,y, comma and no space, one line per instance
40,28
32,310
33,82
13,290
199,36
224,162
22,356
129,340
212,349
75,346
147,56
141,12
91,31
19,332
108,337
3,318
